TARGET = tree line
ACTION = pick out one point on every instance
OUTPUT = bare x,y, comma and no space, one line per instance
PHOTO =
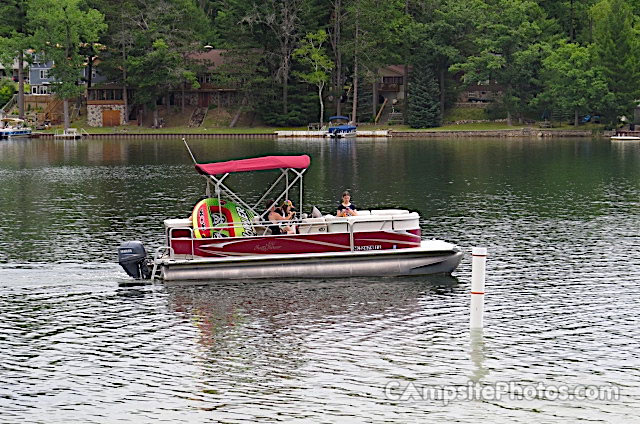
292,60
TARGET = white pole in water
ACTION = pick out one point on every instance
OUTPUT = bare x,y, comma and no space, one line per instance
478,267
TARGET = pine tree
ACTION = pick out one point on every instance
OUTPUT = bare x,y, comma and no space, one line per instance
424,98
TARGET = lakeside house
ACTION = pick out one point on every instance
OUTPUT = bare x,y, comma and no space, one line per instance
210,92
482,92
12,71
106,105
389,91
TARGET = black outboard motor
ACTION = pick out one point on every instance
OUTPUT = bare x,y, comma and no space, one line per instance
133,258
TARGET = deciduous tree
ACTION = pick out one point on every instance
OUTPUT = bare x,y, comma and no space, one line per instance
60,28
312,55
572,82
15,38
508,50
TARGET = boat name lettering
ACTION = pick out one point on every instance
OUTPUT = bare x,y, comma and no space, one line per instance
370,247
268,246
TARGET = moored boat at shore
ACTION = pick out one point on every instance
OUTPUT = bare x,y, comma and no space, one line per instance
626,135
13,128
229,238
339,127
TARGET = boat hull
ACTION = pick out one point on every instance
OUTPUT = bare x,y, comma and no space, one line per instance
295,243
432,257
625,138
15,134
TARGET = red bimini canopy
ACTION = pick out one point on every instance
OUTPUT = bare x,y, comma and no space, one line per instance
254,164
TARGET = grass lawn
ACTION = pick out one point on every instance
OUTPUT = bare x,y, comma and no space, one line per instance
209,129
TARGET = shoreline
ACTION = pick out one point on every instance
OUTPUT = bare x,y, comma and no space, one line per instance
520,132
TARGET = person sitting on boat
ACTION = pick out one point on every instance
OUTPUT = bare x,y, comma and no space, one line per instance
276,216
346,208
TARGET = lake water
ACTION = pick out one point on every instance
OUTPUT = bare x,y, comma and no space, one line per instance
561,220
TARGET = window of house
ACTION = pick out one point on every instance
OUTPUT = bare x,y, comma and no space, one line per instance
43,74
34,89
392,80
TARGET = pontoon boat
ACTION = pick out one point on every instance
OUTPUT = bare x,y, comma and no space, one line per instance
339,127
13,127
229,238
626,136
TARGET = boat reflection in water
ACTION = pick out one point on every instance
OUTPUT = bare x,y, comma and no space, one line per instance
245,314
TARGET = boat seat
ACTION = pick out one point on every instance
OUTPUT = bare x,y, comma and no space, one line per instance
394,219
389,211
370,222
260,230
178,228
313,225
177,223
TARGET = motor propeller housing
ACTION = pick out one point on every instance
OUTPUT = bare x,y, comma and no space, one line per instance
132,257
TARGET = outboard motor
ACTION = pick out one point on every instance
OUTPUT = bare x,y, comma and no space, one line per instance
133,258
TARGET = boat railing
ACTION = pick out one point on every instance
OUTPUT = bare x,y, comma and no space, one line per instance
260,227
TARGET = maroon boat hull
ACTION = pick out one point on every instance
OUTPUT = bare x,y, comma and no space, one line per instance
296,243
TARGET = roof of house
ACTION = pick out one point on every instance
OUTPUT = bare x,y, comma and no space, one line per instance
14,65
211,58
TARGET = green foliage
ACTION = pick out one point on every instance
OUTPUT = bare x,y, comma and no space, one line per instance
466,114
616,48
313,57
60,28
424,104
154,73
571,18
303,105
510,41
7,89
276,49
572,83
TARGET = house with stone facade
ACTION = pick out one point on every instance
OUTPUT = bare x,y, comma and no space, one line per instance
106,106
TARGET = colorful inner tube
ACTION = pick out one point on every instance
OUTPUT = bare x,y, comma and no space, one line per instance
212,220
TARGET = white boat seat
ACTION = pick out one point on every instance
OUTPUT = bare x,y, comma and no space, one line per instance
313,225
177,223
389,211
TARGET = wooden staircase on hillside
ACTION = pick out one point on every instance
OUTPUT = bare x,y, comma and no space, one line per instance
52,111
197,117
6,109
395,118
